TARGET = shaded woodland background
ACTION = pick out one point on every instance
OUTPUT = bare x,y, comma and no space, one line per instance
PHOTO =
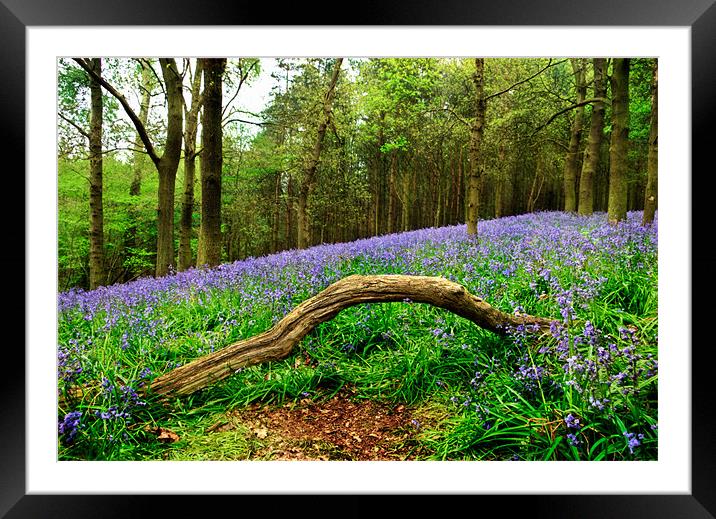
161,169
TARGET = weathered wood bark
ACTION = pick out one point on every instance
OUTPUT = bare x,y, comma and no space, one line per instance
591,153
477,130
209,249
571,163
96,256
619,145
309,175
190,154
650,196
277,343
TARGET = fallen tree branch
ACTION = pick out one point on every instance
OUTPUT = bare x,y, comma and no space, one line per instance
277,343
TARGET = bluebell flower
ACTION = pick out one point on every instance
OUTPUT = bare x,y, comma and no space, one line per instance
572,438
572,422
633,440
69,426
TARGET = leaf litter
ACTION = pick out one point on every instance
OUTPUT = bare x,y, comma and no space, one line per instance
340,427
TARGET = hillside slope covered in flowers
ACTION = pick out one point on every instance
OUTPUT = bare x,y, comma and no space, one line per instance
588,391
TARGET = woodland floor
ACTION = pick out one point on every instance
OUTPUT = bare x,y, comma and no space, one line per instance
339,427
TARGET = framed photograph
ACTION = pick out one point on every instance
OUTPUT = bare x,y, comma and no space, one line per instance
678,483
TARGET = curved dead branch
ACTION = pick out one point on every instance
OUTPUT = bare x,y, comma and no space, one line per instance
277,343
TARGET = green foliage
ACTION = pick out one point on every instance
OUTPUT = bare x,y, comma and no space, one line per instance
400,143
124,216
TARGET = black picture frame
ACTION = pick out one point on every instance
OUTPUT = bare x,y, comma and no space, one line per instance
699,15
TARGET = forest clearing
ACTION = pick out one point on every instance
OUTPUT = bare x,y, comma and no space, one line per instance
393,259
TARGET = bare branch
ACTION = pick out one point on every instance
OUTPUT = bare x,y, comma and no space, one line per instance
247,122
456,116
148,64
559,144
242,78
572,107
450,111
141,130
549,64
77,127
335,132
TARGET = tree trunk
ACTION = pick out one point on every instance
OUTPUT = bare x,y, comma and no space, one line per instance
380,205
591,153
500,181
378,180
477,130
619,145
508,188
168,166
405,200
437,197
276,220
460,194
187,204
139,158
96,256
289,212
452,200
391,191
537,184
309,177
302,221
165,220
571,166
372,204
277,343
650,196
209,250
168,163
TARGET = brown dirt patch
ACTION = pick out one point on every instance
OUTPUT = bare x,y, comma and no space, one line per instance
337,428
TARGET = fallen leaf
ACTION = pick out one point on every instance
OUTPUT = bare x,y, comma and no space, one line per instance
166,436
261,433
